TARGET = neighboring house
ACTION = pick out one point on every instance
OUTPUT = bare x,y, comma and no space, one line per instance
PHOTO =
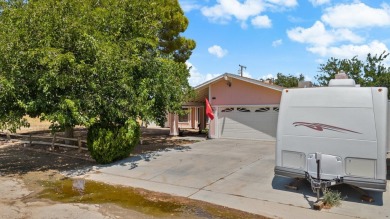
244,108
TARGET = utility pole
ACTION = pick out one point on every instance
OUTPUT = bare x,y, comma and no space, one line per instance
242,69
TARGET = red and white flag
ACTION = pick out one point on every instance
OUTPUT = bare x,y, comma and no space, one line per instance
209,110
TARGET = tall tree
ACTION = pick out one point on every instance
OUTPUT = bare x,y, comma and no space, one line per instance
86,62
371,72
174,22
288,80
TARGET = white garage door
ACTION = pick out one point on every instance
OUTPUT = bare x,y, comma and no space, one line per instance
245,122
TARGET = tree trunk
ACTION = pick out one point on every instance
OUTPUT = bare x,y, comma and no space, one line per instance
69,133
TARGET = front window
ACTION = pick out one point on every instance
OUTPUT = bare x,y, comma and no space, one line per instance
184,117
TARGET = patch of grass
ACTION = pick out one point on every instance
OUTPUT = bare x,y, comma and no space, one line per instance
205,131
332,198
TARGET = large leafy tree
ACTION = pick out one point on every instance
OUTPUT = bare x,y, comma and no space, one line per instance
288,80
82,62
371,72
74,62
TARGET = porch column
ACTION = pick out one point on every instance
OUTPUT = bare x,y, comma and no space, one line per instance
201,119
194,121
174,125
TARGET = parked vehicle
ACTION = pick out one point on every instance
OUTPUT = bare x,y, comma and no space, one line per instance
335,134
388,128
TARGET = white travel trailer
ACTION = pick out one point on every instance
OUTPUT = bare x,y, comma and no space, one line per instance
331,135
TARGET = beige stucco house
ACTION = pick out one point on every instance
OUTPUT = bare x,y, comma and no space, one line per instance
243,108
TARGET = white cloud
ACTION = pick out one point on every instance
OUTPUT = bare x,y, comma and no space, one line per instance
307,77
196,77
347,35
356,15
210,76
246,74
339,43
319,2
189,5
334,36
284,3
226,10
319,36
217,51
348,51
268,76
277,43
312,35
262,22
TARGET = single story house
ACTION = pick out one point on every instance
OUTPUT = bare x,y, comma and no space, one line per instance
243,108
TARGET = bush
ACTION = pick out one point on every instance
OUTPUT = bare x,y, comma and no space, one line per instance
111,143
332,198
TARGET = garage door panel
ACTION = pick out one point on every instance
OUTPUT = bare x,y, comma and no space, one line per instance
241,126
252,134
248,125
249,134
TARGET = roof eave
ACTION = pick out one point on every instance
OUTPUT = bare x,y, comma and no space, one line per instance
249,80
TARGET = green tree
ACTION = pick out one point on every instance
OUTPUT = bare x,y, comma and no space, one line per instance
90,62
174,23
288,80
371,72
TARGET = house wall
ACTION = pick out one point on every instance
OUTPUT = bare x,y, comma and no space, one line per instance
242,93
239,93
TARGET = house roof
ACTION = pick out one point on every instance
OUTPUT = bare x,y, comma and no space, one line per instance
249,80
203,89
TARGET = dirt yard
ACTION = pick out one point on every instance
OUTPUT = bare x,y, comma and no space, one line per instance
25,172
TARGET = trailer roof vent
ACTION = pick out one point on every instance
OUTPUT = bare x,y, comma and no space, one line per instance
341,80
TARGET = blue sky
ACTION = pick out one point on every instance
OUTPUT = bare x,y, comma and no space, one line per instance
287,36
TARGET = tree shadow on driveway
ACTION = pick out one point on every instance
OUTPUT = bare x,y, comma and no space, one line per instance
133,160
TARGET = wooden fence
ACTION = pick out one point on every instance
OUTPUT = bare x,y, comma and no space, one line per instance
48,140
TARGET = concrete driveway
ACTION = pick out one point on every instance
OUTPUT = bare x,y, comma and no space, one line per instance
233,173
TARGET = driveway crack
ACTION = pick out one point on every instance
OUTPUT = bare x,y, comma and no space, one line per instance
222,178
